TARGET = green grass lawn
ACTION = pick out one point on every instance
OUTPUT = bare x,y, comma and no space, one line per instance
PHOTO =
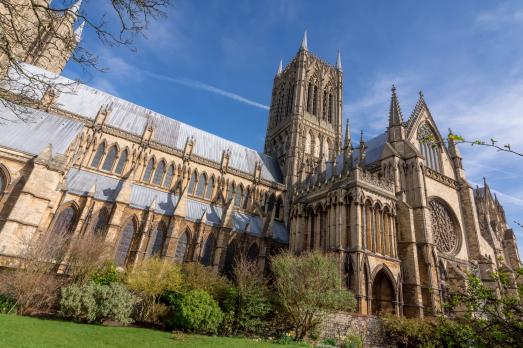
18,331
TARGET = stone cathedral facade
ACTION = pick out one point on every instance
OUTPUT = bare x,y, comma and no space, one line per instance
396,210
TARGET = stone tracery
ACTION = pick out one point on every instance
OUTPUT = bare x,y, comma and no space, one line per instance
444,229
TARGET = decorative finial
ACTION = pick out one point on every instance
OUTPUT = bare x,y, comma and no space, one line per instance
78,32
338,61
280,68
304,42
420,94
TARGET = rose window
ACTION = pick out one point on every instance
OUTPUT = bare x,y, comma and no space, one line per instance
443,228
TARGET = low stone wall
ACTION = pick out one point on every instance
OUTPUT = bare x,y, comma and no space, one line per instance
370,328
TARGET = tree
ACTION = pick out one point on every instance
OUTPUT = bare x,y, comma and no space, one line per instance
495,317
41,32
247,304
308,287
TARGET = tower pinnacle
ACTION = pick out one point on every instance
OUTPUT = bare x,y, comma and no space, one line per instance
338,61
78,32
304,42
280,68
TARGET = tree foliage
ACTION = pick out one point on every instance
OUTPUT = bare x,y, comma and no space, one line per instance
308,287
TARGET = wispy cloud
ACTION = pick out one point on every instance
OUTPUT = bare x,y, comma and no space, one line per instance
206,87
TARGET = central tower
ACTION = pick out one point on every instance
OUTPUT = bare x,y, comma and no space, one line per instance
305,117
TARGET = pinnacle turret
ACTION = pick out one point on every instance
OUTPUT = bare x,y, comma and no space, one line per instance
304,42
338,61
395,115
280,68
78,32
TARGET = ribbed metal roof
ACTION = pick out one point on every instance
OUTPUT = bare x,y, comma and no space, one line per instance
87,101
279,232
80,182
142,198
34,135
195,210
240,220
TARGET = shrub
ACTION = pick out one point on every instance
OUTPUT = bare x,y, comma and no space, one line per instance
93,302
195,311
7,304
247,305
106,275
404,332
352,340
85,256
149,279
308,286
329,341
197,276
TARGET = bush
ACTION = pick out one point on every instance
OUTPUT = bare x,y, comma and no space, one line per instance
149,279
247,305
197,276
195,311
407,333
352,340
93,302
308,286
7,304
106,275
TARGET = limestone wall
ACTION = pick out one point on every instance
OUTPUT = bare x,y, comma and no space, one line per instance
370,328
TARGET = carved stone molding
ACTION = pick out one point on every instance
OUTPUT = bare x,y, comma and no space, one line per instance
445,180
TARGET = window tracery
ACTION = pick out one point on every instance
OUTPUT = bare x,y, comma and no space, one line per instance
121,162
446,238
428,147
98,156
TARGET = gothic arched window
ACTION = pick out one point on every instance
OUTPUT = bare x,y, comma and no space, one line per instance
64,223
330,109
192,182
278,207
309,97
308,140
181,247
95,163
230,191
200,188
317,146
252,253
158,174
148,171
324,111
121,162
208,251
158,239
208,191
238,196
100,224
125,242
110,158
245,198
428,147
315,101
169,176
230,260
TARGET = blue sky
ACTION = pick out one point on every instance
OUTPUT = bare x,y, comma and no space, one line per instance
211,64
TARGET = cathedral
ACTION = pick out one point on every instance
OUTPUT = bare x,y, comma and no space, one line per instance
396,210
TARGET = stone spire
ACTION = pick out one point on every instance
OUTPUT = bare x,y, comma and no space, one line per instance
363,150
338,61
395,115
304,42
280,68
78,32
347,149
396,131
